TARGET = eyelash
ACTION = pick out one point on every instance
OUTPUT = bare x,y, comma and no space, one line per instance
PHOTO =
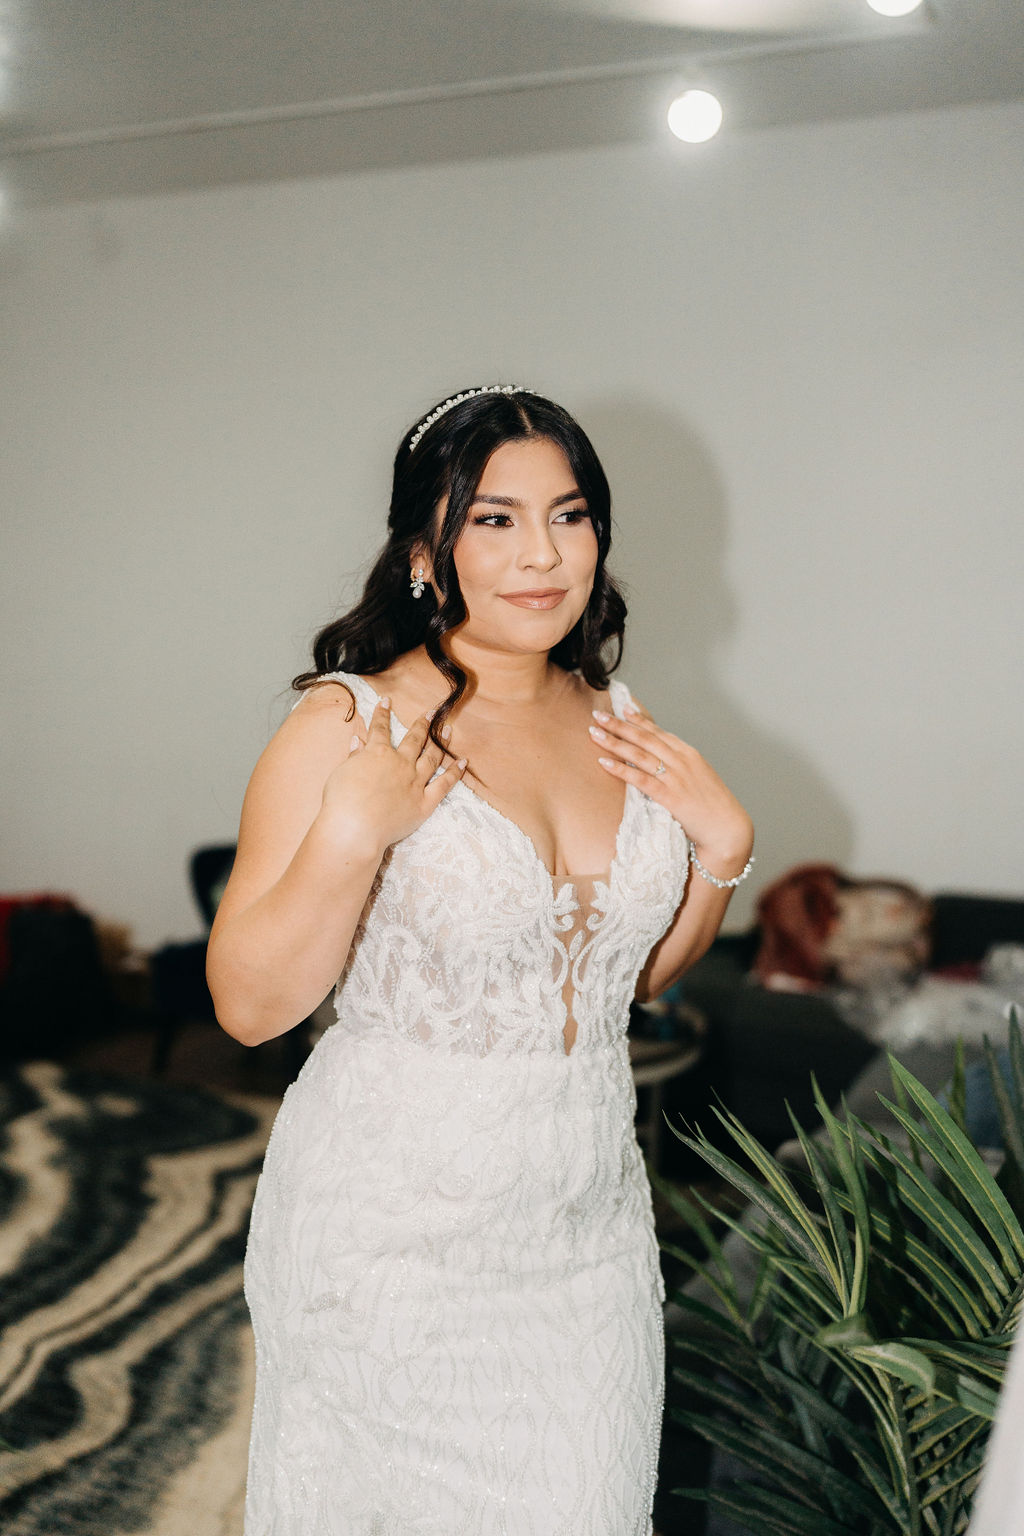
502,520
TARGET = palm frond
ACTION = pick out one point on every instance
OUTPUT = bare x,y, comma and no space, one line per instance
858,1384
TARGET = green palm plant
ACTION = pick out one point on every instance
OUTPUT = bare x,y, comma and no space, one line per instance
858,1382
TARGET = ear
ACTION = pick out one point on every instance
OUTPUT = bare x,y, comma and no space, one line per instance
419,560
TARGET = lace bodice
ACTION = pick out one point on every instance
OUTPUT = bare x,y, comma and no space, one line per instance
467,943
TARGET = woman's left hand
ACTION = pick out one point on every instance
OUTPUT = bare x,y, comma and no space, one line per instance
674,774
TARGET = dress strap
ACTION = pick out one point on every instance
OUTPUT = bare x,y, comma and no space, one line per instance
363,695
620,697
361,691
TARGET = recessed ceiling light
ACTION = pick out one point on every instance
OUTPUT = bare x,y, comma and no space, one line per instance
894,7
695,116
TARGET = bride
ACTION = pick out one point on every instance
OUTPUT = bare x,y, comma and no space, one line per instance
451,1268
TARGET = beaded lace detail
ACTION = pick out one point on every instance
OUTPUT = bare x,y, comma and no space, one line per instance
468,942
452,1269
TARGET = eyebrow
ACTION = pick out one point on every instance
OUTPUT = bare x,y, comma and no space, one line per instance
511,501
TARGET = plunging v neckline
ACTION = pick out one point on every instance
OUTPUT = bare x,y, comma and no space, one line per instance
558,882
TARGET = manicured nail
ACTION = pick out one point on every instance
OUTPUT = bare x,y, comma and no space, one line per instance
597,734
631,709
446,733
431,713
353,744
462,763
606,762
601,714
385,702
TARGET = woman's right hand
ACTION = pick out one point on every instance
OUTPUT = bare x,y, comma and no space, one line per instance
379,793
314,830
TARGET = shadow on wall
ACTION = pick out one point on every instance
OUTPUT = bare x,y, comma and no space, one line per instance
669,550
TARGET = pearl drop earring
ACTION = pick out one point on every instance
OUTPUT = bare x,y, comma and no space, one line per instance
416,582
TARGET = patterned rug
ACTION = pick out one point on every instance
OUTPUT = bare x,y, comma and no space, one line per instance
125,1351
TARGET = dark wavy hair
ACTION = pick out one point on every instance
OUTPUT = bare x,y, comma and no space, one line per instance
447,459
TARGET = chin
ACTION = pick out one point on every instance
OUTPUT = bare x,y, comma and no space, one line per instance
536,637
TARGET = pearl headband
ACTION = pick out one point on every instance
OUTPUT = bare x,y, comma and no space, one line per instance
469,394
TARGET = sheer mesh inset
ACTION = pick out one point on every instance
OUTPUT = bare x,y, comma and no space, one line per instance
580,901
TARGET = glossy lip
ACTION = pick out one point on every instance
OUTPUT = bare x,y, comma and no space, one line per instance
543,597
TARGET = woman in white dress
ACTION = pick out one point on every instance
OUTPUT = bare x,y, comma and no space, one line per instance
451,1269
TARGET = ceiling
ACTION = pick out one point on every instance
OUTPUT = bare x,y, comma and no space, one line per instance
101,98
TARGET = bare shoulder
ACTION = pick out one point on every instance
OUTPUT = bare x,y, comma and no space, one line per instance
311,740
286,788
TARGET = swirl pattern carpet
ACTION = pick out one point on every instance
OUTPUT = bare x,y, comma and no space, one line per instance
125,1350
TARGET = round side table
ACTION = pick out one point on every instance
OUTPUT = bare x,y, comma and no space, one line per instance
654,1063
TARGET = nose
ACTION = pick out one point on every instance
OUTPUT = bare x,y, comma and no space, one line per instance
537,549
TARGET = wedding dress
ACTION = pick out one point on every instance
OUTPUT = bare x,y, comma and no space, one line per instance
452,1270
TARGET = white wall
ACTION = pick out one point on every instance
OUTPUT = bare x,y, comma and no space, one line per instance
799,353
